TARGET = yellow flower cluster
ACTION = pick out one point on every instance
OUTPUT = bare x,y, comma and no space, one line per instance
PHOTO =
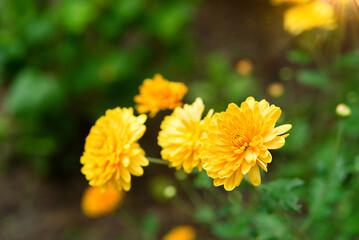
227,145
307,15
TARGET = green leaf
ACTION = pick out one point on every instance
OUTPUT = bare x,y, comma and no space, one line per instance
234,228
281,193
167,22
77,14
205,214
218,68
299,135
38,30
270,227
298,56
150,225
33,91
349,60
313,78
129,9
202,180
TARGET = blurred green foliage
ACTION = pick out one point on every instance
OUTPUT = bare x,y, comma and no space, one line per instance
63,63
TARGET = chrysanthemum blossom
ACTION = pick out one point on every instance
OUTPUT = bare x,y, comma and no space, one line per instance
97,202
237,142
159,94
315,14
184,232
180,136
112,153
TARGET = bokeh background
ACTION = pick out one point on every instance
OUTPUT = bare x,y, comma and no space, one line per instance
64,62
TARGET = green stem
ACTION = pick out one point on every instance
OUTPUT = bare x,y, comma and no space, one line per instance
319,203
157,161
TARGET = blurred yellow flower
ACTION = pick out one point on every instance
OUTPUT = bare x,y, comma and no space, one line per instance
180,134
184,232
315,14
112,153
159,94
97,202
244,67
277,2
275,89
237,141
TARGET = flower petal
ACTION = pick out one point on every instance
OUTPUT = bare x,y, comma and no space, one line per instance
276,143
245,167
254,176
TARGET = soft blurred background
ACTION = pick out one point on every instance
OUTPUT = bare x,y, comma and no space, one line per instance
64,62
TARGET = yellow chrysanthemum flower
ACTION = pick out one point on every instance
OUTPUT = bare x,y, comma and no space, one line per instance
112,153
180,134
97,202
315,14
184,232
277,2
159,94
237,141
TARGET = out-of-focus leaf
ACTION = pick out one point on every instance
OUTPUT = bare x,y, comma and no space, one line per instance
129,9
203,89
77,14
205,214
202,180
233,229
32,92
298,56
349,60
238,88
270,226
38,30
150,225
313,78
299,135
281,192
233,209
37,151
167,22
218,68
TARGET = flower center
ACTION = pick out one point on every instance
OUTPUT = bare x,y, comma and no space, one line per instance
240,140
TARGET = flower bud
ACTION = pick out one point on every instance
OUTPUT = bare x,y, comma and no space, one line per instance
343,110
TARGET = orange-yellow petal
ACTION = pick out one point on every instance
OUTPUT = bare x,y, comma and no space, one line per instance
254,176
